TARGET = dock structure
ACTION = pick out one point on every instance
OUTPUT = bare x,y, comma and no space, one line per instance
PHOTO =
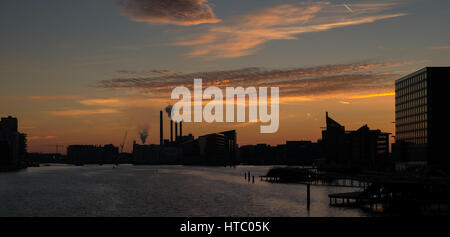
355,199
348,198
376,190
269,178
313,176
391,193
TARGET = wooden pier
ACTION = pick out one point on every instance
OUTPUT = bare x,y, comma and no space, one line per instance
376,190
269,178
354,199
312,176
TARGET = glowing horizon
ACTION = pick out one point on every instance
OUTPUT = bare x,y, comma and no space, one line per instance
84,72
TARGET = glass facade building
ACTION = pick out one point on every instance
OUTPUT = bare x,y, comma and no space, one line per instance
411,109
420,115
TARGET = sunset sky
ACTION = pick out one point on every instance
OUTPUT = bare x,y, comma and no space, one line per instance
86,71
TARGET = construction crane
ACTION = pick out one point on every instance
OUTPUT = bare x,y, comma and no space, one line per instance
58,146
123,142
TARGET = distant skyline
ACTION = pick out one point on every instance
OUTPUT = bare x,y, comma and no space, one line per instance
84,71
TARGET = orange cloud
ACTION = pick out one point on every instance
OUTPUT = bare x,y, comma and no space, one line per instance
41,137
177,12
441,47
246,34
107,102
293,99
79,112
296,84
253,76
243,125
138,102
47,97
371,95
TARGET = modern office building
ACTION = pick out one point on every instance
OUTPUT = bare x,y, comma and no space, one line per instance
420,116
361,148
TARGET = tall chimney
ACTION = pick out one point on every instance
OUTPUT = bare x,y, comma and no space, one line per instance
181,128
176,131
171,130
161,128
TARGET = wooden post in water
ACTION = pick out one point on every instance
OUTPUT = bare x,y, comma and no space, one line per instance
308,194
253,179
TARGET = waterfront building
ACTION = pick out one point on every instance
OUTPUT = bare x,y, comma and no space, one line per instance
420,117
13,144
361,148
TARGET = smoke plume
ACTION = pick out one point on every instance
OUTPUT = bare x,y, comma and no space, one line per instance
168,110
143,134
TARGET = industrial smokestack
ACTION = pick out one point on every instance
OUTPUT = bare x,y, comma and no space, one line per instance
161,128
171,130
181,128
176,131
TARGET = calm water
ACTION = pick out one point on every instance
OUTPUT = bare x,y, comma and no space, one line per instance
157,191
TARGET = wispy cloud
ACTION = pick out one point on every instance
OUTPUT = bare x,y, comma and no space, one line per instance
108,102
243,125
78,112
158,72
244,35
441,47
41,137
372,95
177,12
296,84
46,97
128,101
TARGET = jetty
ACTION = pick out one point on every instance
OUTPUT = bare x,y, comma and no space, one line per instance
376,190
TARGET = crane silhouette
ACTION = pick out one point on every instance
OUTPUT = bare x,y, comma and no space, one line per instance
58,146
123,141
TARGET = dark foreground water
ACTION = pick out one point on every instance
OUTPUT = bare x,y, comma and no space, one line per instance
158,191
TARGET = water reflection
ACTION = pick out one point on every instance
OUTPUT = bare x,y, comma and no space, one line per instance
158,191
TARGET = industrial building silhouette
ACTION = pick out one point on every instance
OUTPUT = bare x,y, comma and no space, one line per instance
13,144
362,148
210,149
420,122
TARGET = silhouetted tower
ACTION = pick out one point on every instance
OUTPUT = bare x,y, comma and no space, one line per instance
161,128
181,128
171,130
176,131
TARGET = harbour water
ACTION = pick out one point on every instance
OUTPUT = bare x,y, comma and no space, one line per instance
159,191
